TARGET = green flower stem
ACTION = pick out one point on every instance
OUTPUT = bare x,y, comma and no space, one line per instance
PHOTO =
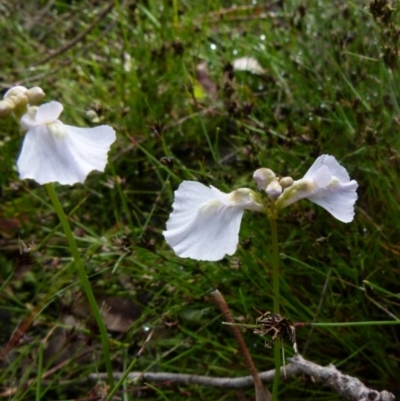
121,380
176,13
275,258
321,324
275,287
83,278
130,367
353,324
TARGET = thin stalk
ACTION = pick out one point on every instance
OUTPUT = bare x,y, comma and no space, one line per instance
176,13
121,380
353,324
6,281
322,324
262,394
83,278
39,372
275,288
275,258
130,367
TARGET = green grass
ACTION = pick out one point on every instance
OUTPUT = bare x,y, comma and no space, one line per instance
327,89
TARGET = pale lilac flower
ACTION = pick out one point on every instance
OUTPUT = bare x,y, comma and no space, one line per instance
205,222
55,152
328,185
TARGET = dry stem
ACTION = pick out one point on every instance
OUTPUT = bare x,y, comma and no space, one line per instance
350,388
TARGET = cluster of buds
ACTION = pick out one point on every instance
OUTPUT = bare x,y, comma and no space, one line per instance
267,181
18,98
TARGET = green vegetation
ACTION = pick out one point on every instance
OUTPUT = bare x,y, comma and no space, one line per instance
331,85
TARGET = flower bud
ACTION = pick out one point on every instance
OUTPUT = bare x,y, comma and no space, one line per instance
34,95
286,182
6,107
20,101
263,176
273,190
17,96
15,91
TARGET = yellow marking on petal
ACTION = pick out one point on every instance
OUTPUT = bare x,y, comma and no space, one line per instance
57,129
305,186
208,208
334,183
245,198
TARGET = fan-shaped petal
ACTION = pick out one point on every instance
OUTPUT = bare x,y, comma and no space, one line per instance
338,200
205,222
327,184
66,159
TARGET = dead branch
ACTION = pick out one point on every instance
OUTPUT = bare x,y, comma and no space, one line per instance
236,383
350,388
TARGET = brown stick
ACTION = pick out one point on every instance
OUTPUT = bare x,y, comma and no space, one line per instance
262,394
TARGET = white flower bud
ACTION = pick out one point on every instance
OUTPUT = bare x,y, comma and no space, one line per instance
6,107
18,96
20,101
286,182
15,91
263,177
273,190
34,95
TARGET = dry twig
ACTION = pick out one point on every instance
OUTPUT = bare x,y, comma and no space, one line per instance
350,388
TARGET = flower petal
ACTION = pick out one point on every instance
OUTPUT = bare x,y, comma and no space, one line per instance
188,198
91,145
327,184
321,178
338,200
332,164
48,112
248,64
201,226
65,159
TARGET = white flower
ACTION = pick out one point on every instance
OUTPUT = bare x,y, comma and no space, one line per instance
328,185
54,152
248,64
205,222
